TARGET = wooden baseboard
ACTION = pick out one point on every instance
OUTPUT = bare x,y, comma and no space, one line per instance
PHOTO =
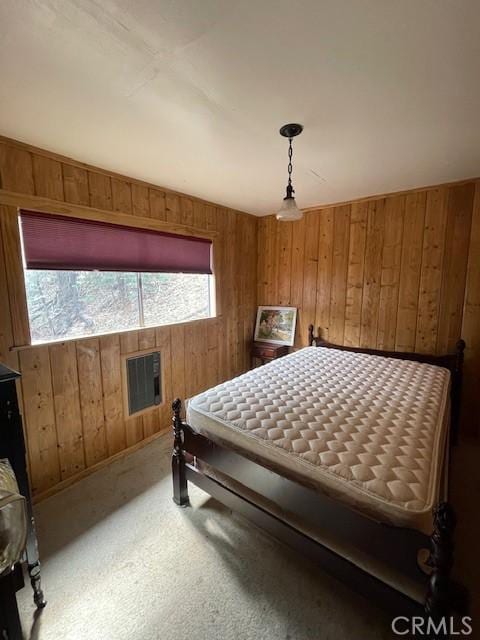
68,482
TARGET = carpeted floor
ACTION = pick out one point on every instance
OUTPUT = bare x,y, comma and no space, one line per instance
122,562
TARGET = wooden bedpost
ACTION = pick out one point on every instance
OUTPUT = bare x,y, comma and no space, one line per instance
438,601
180,489
316,340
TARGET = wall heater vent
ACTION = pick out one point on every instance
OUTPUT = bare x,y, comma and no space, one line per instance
143,381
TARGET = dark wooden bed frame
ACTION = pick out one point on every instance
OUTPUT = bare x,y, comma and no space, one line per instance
253,482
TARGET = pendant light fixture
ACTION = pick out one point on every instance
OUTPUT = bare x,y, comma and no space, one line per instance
289,210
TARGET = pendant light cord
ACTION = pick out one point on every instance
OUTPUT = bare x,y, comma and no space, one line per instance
290,189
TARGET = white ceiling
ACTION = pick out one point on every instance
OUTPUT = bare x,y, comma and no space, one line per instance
189,94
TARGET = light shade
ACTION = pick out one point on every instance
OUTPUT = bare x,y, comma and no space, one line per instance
289,210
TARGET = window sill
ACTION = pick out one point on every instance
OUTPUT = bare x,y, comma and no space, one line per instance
96,336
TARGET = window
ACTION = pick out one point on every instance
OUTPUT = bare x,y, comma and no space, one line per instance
70,304
109,291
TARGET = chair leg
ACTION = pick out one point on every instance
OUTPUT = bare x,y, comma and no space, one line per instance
35,581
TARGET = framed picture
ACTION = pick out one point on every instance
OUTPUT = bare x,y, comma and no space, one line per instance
276,324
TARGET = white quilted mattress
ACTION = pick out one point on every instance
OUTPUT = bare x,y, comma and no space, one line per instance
367,430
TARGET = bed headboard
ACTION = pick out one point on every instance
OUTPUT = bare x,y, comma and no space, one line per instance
451,361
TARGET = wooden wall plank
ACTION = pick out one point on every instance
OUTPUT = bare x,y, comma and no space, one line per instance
219,252
201,354
211,217
199,215
16,169
164,344
152,422
133,425
151,419
355,273
146,338
140,201
390,277
75,185
459,220
196,348
40,418
91,400
212,377
261,260
411,263
250,299
186,209
270,263
6,331
239,293
338,290
178,361
238,330
191,365
157,204
431,273
172,208
66,396
373,273
297,268
110,362
241,278
222,351
284,269
129,342
310,272
48,178
229,294
324,275
15,275
121,195
100,190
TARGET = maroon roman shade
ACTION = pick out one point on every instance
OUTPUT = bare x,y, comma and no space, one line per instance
58,242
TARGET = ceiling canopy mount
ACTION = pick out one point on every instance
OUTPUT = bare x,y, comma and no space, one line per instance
291,130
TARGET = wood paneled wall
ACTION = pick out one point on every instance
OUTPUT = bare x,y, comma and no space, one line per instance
400,272
71,391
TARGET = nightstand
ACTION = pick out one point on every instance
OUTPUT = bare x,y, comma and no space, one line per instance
266,351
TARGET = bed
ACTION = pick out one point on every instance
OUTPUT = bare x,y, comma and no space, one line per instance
342,453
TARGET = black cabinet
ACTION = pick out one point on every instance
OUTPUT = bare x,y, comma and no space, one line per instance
12,446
